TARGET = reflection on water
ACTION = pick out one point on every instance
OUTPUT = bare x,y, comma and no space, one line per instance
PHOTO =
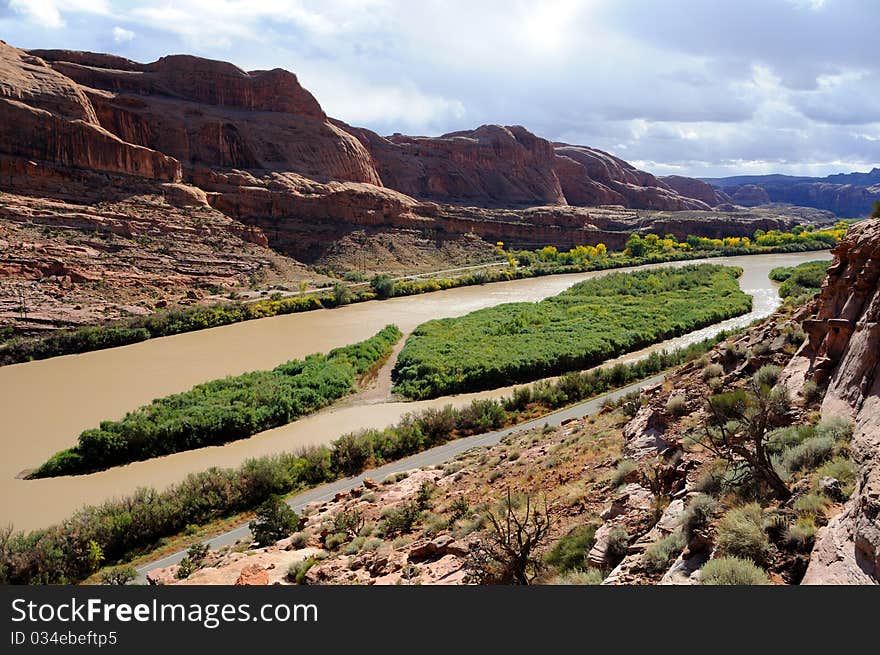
46,404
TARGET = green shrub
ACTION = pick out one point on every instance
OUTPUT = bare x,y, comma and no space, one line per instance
842,469
809,454
811,503
811,392
740,533
296,572
767,376
618,546
732,571
335,540
119,575
570,551
625,467
712,371
401,519
676,405
275,520
659,555
697,515
801,535
383,286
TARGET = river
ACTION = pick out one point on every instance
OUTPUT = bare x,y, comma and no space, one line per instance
46,404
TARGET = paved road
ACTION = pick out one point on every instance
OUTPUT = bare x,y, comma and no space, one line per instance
437,455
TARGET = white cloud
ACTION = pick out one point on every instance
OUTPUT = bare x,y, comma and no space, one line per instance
49,13
122,35
42,12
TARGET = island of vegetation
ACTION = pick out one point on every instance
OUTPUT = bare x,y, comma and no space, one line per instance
800,282
224,410
583,326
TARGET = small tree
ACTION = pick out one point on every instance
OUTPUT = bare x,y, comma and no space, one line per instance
275,520
739,423
120,575
876,212
341,294
383,286
508,555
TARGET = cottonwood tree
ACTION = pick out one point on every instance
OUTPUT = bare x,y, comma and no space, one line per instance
508,554
739,424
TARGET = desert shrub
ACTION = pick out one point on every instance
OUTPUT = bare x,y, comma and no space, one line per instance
767,376
811,503
296,573
659,555
570,551
676,405
383,286
808,454
119,575
618,546
579,577
335,540
842,469
400,519
348,522
837,428
811,392
298,540
712,371
697,515
801,535
275,520
732,571
624,468
740,533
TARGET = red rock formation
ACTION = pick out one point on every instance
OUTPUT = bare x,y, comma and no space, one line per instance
491,165
690,187
843,348
191,108
750,195
587,173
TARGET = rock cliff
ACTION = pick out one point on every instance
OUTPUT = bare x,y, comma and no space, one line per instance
843,351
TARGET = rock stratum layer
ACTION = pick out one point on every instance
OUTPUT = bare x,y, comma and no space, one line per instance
843,351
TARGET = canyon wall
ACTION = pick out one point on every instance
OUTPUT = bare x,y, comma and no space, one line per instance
843,351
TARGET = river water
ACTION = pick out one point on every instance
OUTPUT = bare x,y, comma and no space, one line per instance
44,405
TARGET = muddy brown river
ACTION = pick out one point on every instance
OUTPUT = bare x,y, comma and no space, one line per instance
46,404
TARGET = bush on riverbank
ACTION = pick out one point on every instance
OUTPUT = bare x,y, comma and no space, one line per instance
587,324
223,410
800,282
124,528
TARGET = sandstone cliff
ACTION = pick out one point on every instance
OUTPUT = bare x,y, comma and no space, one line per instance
843,350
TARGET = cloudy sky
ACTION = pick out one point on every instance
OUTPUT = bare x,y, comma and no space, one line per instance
697,87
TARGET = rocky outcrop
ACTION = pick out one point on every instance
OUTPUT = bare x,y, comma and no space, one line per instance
211,113
750,195
690,187
589,173
847,195
843,350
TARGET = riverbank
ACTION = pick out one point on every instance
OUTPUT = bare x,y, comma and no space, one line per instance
46,403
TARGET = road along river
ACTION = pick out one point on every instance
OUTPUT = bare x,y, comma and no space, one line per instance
44,405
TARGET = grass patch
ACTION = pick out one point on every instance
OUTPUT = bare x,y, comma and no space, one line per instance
732,571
